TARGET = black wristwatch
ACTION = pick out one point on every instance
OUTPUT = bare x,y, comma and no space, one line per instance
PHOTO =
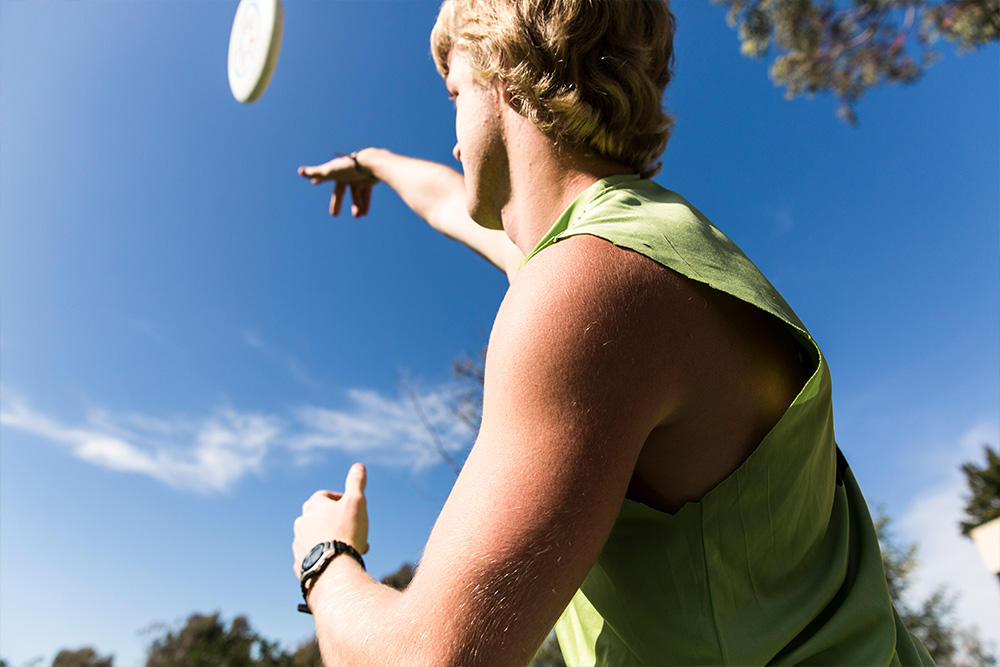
317,560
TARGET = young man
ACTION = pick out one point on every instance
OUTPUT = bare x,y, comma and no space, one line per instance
656,467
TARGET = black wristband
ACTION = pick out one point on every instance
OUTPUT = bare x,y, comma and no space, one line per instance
358,167
331,550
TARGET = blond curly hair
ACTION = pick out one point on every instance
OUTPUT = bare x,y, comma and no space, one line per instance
590,73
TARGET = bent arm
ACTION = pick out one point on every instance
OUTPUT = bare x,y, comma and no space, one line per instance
433,191
566,411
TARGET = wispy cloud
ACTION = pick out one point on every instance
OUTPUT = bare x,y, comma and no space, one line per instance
280,358
947,558
204,455
390,430
211,454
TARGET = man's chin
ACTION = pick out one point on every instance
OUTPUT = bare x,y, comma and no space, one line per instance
487,220
491,224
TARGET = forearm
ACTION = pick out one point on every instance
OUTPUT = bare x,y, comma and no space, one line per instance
433,191
436,193
362,622
346,603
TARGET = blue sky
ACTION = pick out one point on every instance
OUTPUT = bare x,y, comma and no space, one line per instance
190,346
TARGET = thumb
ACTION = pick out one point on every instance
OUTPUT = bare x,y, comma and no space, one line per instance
357,477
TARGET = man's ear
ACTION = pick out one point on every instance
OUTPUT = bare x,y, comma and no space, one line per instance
505,91
508,97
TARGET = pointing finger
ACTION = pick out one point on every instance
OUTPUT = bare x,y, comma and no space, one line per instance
312,173
357,477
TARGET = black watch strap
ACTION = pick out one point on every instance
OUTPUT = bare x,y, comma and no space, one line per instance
329,551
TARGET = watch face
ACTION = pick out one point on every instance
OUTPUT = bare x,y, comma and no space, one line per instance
313,556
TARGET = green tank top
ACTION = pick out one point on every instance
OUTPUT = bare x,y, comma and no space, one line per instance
779,563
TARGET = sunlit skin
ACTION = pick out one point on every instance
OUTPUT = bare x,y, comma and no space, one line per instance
607,375
479,146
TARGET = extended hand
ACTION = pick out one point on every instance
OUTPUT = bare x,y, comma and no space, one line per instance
344,172
328,515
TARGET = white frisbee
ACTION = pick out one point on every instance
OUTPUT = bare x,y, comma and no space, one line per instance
254,45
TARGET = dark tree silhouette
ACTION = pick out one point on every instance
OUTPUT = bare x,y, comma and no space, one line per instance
82,657
204,641
983,502
932,620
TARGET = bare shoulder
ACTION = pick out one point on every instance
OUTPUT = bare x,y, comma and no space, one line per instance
602,314
589,263
697,374
594,352
566,411
585,291
585,279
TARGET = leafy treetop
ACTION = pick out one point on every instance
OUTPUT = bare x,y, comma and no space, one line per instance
847,48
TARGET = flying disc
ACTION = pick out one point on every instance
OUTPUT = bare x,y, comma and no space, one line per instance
254,45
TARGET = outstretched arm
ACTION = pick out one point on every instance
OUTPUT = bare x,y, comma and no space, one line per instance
433,191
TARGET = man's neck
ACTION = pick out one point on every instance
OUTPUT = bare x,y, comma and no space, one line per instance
544,182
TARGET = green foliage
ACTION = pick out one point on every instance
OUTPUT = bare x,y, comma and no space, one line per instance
898,561
983,502
307,655
401,578
204,641
847,48
931,620
83,657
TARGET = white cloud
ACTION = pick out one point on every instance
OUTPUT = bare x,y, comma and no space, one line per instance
207,455
390,430
947,558
212,454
